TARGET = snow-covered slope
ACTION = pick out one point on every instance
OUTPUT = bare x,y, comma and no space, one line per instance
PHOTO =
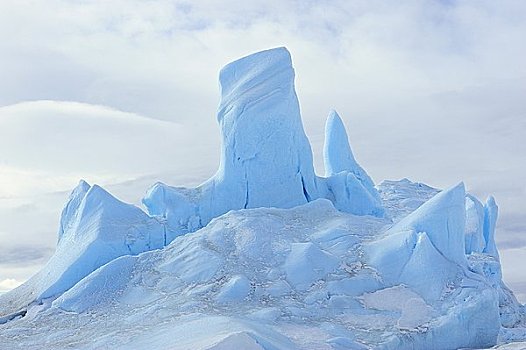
267,255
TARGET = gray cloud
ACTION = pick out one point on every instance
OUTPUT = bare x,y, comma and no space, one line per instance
24,254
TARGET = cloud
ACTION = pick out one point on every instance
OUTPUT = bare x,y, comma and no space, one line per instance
8,284
23,254
47,146
151,57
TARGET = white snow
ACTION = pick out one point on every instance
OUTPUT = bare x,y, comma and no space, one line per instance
307,263
236,289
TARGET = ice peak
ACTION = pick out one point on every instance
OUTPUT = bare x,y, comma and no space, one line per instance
353,189
337,153
71,208
491,212
443,219
98,197
83,184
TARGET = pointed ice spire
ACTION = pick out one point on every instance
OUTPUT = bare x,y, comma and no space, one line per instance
349,184
337,154
96,229
69,212
443,218
474,236
491,212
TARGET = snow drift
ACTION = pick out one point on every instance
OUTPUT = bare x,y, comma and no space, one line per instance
267,255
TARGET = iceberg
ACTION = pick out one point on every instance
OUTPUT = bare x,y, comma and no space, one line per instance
266,158
95,229
268,255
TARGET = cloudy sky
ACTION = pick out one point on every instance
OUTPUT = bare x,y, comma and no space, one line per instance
124,93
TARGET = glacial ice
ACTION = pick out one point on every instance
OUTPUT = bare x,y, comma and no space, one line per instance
267,255
350,187
266,158
69,213
95,229
442,218
475,240
490,220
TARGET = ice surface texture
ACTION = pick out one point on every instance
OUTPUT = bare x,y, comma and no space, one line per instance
95,228
266,158
267,255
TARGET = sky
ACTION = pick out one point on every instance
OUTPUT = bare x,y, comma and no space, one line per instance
124,93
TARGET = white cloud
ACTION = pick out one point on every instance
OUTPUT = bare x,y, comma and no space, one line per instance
47,146
8,284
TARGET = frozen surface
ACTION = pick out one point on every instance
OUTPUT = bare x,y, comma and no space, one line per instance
274,278
350,187
442,218
266,255
95,228
266,158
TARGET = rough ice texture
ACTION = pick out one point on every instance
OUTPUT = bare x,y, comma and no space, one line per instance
349,187
443,219
95,228
475,240
413,268
491,211
266,158
283,272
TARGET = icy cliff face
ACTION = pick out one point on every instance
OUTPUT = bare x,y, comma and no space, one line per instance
266,255
95,228
262,132
442,219
266,159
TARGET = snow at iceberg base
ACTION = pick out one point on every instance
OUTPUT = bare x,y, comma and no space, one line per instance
267,255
